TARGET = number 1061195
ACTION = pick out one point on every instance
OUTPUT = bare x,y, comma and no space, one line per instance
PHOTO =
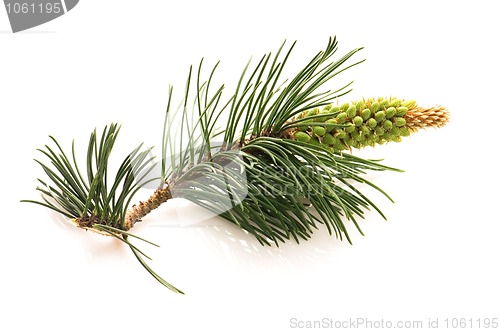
32,8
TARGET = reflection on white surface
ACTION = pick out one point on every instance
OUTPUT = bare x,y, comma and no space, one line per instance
227,240
92,245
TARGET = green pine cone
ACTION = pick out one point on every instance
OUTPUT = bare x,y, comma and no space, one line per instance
362,123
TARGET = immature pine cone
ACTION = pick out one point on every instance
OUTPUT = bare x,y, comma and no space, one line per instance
365,122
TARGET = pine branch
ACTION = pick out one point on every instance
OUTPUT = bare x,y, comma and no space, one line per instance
275,151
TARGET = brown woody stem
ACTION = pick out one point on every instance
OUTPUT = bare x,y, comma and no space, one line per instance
137,212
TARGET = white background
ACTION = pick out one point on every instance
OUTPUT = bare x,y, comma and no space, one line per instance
104,61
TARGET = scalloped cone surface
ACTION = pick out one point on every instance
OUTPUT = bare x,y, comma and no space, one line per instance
368,122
